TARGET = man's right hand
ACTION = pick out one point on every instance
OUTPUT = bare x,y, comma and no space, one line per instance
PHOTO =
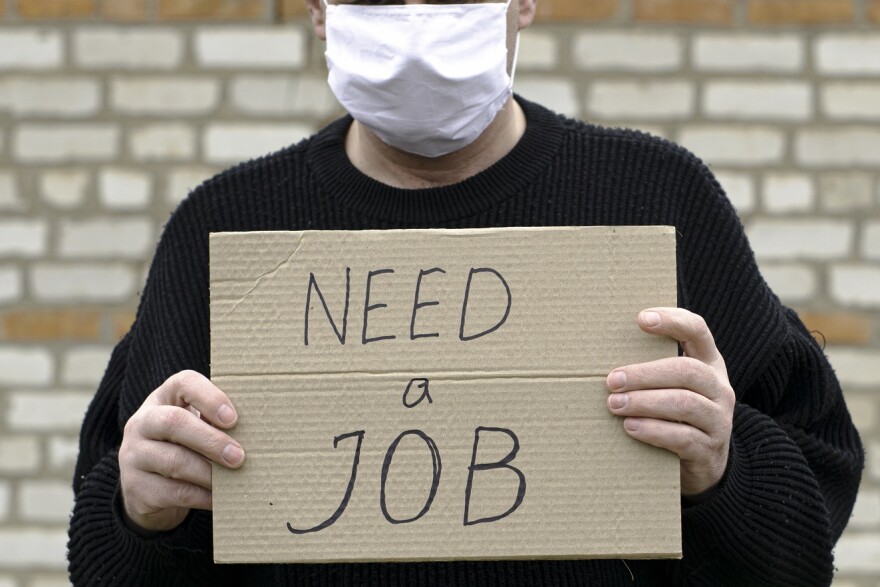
167,450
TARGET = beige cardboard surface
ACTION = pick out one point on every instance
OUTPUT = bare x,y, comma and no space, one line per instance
479,431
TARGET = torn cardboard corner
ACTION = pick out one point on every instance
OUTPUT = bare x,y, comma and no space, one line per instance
438,394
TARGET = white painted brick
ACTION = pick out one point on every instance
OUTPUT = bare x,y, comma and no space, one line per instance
82,282
846,192
857,367
788,192
735,145
871,241
851,101
124,189
838,147
5,495
46,411
640,100
628,51
758,100
856,285
127,48
10,198
42,143
556,93
748,53
866,514
63,451
131,238
32,548
57,580
29,49
251,48
64,189
801,239
794,283
10,283
45,501
61,97
85,366
183,180
25,366
23,238
872,452
863,409
537,51
165,96
163,142
857,553
229,143
19,455
847,54
739,189
283,95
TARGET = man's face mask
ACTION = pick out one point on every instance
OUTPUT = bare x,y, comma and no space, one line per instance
426,78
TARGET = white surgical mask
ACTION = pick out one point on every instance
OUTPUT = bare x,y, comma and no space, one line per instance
426,78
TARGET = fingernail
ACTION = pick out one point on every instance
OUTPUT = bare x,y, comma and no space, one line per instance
632,424
226,414
651,318
618,400
233,454
617,380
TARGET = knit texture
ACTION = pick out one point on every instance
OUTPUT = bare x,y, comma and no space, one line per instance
795,459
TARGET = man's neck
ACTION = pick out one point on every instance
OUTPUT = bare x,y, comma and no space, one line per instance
400,169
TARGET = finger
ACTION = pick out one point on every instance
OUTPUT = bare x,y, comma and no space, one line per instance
173,462
154,493
689,443
689,329
673,405
180,426
672,372
192,389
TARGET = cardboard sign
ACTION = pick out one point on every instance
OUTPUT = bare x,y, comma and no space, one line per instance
438,394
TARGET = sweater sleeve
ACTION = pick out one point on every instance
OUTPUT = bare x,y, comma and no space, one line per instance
795,457
169,334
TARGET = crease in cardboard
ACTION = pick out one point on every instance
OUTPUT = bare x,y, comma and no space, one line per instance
268,274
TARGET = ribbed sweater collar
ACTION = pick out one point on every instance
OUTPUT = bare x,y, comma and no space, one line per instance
530,157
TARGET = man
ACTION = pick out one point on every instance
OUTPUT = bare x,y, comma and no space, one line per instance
770,461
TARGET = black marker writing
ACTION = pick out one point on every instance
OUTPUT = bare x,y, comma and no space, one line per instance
314,284
354,465
368,307
464,305
417,304
435,480
423,385
502,464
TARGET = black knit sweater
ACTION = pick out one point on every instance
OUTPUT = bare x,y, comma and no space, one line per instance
795,458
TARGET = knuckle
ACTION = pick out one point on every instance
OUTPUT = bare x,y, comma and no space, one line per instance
186,379
699,326
683,403
175,464
172,418
189,495
686,369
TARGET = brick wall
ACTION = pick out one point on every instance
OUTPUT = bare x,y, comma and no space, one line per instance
111,110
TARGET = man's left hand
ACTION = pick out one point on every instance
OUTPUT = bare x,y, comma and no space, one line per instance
683,404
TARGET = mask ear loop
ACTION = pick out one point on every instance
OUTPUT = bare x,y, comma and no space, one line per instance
515,50
515,59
